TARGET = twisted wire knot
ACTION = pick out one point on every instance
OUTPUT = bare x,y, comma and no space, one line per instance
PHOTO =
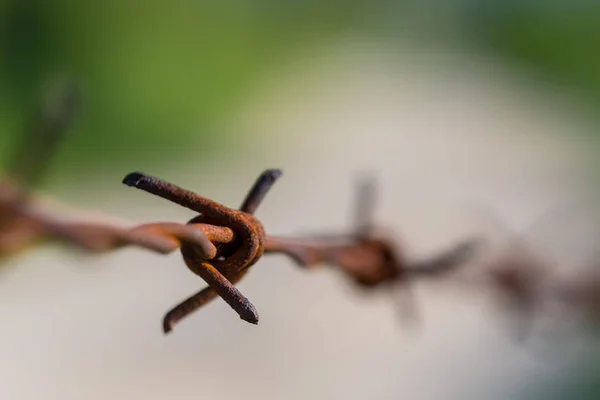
234,242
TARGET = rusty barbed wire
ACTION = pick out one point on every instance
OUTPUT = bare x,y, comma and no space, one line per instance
229,262
530,288
372,260
220,244
369,260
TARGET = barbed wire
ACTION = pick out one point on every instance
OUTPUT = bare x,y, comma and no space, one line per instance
220,244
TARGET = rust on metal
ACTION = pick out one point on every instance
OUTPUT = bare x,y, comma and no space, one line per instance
220,243
232,260
369,260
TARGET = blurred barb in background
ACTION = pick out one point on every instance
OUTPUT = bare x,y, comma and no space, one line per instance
484,102
47,126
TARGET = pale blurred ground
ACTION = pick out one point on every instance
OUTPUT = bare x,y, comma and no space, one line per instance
441,133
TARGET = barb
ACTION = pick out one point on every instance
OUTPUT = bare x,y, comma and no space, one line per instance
221,244
530,288
372,262
232,261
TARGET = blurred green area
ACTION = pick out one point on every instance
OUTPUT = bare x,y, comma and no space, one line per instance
557,41
157,76
578,379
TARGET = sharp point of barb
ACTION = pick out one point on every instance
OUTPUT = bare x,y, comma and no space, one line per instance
167,326
249,314
273,174
134,179
253,320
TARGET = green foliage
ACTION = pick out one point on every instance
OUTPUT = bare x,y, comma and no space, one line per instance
158,75
559,40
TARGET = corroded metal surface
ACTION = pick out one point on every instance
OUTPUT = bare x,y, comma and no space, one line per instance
231,260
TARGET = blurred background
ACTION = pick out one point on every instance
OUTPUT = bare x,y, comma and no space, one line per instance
454,106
